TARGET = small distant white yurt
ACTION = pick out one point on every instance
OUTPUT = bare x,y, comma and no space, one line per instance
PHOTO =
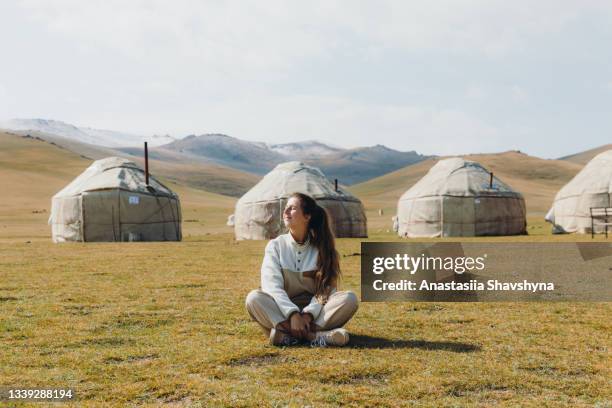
259,213
458,198
110,201
590,188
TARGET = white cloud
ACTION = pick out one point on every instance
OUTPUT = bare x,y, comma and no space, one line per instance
476,92
4,100
275,34
335,120
519,94
331,119
266,70
221,36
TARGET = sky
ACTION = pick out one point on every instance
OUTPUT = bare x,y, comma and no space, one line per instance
439,77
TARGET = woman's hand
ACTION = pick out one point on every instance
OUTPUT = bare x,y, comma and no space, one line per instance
308,319
299,326
311,326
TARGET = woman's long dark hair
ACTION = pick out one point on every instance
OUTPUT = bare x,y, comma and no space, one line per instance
322,237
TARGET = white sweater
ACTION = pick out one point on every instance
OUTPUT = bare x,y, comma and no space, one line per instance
282,273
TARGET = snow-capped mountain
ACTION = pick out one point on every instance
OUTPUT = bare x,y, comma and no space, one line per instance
305,149
98,137
348,165
255,157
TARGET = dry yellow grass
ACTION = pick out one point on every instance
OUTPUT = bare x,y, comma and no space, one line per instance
584,157
164,324
156,323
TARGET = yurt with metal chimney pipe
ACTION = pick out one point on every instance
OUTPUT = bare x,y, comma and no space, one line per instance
112,201
259,213
460,198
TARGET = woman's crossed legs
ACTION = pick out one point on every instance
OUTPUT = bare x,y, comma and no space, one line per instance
338,310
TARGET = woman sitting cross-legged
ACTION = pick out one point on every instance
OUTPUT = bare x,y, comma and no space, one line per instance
298,300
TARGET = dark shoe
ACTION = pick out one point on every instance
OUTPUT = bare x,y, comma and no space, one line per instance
282,339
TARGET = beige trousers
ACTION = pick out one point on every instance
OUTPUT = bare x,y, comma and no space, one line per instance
340,307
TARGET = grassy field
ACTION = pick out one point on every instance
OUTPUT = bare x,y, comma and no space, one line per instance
165,324
157,323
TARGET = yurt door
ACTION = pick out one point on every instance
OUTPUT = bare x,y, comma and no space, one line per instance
458,217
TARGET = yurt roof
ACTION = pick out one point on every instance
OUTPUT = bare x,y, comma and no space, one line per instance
113,173
594,178
290,177
461,178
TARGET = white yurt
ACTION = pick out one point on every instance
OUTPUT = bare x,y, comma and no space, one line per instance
110,201
460,198
590,188
259,213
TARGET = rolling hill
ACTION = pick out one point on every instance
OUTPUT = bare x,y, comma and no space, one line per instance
33,170
584,157
170,165
537,179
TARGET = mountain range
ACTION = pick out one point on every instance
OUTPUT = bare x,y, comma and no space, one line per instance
227,165
98,137
349,166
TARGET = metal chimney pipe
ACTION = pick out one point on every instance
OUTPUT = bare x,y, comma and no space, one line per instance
146,164
336,184
491,181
